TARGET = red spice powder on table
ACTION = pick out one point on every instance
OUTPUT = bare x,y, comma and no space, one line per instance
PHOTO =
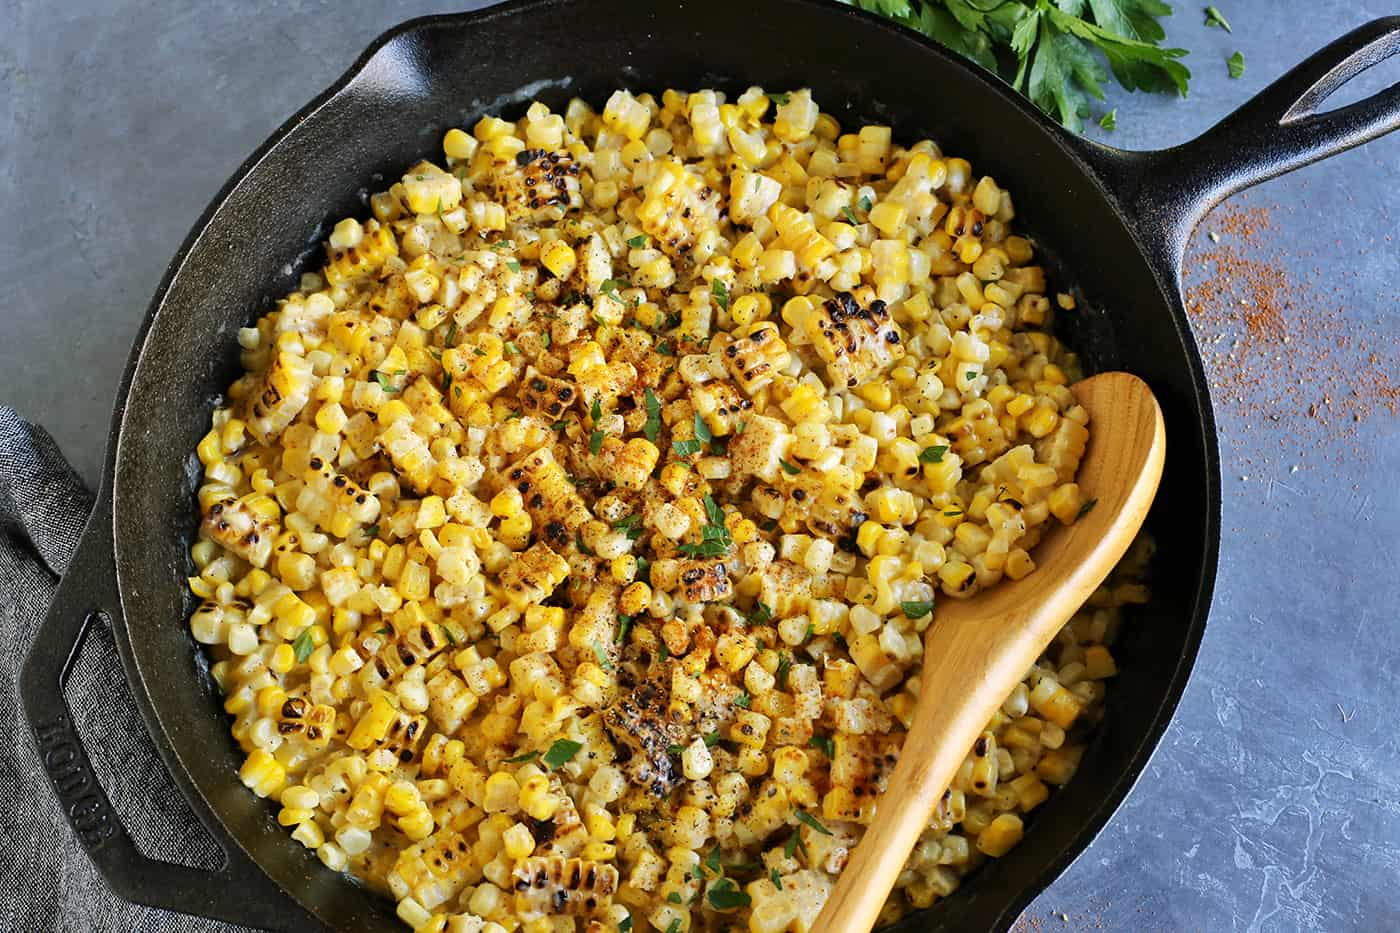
1283,353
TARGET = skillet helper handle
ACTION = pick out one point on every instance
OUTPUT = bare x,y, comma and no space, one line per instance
238,891
1280,129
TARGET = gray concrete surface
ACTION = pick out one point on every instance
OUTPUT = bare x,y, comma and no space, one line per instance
1274,802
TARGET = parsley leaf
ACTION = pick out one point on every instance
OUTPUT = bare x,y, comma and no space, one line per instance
805,817
720,291
743,701
702,431
527,756
303,646
916,609
631,525
625,626
794,845
789,468
610,288
1236,65
601,655
512,265
864,204
825,743
712,739
784,667
595,442
725,895
933,454
664,349
653,423
638,242
1053,47
685,448
1109,121
851,216
1215,18
674,926
780,97
1086,508
384,382
675,898
626,925
773,876
761,614
711,863
713,511
561,751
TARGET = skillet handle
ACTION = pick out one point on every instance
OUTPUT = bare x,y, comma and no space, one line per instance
239,891
1277,131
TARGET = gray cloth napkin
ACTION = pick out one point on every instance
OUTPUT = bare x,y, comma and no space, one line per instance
46,880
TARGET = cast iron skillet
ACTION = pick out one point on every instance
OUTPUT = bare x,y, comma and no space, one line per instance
1115,223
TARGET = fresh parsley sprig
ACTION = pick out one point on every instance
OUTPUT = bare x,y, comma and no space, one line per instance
1053,51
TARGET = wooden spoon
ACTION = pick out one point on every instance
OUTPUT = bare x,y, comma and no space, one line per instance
978,649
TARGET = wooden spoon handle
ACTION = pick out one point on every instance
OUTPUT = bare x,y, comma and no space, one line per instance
979,649
933,751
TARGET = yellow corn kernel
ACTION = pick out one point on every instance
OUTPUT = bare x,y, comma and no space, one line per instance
1000,836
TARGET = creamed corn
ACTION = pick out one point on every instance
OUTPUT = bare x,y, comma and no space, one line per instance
568,543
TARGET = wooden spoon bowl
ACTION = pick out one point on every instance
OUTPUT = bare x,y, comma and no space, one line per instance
978,649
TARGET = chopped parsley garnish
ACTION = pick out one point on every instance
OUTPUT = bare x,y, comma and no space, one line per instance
780,98
638,242
851,216
675,925
933,454
725,895
664,348
631,525
825,743
583,548
595,442
1086,508
512,348
386,630
712,739
610,287
451,636
559,425
685,448
916,609
761,614
304,645
1109,121
864,203
711,862
596,411
601,655
545,339
450,337
662,651
741,427
743,701
653,422
784,667
952,513
702,431
790,469
512,265
720,291
518,759
804,817
626,925
714,536
446,383
794,845
561,751
774,877
478,351
384,382
1215,18
372,531
624,626
1236,65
